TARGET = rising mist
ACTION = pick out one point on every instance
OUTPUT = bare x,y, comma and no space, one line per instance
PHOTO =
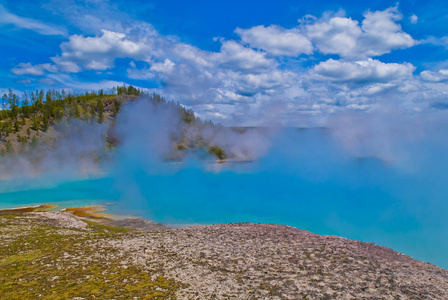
378,177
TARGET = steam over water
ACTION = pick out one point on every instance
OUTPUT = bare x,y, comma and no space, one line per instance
379,179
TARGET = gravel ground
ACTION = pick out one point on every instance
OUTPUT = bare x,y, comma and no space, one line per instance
247,261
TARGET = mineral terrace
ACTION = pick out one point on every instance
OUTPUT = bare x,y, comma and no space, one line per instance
59,255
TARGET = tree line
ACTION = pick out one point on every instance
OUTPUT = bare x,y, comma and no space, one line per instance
40,109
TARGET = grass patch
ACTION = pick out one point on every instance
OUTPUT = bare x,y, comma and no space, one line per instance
55,263
107,228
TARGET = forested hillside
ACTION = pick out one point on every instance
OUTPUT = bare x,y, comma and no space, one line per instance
30,122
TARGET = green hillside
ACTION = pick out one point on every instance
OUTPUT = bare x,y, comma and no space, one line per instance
32,123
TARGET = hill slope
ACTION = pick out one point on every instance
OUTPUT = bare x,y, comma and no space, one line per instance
40,125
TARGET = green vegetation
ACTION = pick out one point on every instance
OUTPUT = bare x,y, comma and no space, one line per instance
106,228
25,127
39,109
46,108
218,152
51,262
130,90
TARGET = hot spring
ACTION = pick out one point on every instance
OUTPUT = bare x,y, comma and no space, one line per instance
306,178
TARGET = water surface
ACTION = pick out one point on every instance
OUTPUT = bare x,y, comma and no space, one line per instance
312,185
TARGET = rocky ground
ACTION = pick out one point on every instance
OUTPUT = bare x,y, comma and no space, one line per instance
60,255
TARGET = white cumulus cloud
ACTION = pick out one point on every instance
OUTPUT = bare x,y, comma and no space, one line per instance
99,52
378,34
276,40
441,75
163,67
336,36
35,70
235,56
362,71
257,73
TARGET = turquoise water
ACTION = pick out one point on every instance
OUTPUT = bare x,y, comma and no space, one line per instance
65,194
315,188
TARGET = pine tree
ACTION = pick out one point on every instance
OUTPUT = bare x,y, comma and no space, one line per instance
16,125
36,123
92,114
117,105
45,123
76,112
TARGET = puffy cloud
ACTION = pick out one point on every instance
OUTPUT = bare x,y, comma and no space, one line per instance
163,67
90,53
378,34
236,56
9,18
413,19
247,84
441,75
191,83
383,34
65,66
379,88
362,71
99,52
192,54
276,40
248,79
35,70
337,36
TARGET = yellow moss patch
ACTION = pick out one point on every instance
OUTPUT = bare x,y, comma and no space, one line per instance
55,263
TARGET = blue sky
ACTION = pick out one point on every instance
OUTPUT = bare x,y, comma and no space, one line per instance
236,62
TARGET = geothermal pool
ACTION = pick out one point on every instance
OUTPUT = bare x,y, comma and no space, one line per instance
312,185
